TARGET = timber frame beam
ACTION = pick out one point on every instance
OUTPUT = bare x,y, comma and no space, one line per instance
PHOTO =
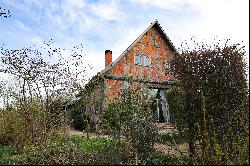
150,84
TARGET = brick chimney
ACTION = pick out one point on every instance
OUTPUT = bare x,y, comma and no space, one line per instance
108,57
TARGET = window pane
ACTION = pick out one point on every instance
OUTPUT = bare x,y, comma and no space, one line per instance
168,64
137,59
147,61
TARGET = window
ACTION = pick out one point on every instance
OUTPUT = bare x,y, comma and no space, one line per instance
147,61
137,59
168,64
142,60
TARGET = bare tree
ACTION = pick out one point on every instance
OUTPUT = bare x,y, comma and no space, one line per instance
44,76
4,13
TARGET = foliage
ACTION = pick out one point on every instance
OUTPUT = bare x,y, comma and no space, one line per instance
13,128
172,137
53,153
159,158
61,149
131,118
176,100
9,156
112,120
69,150
209,107
213,79
13,160
77,114
7,150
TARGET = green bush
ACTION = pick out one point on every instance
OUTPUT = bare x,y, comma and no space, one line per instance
109,154
9,156
173,137
52,153
215,96
177,106
132,119
5,139
112,120
104,151
13,160
76,150
7,151
81,151
159,158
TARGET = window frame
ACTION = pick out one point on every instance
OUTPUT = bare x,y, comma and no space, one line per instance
168,64
146,59
142,59
137,57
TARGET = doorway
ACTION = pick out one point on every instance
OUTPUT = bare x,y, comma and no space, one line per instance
162,107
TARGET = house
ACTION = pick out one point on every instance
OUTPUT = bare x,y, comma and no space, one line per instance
146,60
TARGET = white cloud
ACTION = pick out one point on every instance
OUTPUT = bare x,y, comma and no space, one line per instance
163,4
72,10
222,18
97,59
106,10
22,26
87,24
225,18
217,19
126,40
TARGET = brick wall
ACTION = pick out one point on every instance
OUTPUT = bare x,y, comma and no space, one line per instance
153,45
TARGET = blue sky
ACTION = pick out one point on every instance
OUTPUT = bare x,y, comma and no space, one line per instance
115,24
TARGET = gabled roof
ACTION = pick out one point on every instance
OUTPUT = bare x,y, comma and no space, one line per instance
162,33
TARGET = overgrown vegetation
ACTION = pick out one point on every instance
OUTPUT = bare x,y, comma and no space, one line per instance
76,150
67,150
209,105
131,118
39,83
214,112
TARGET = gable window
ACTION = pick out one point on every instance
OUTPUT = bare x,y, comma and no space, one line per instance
142,60
137,59
168,64
147,60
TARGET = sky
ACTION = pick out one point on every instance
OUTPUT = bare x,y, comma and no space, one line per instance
114,24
